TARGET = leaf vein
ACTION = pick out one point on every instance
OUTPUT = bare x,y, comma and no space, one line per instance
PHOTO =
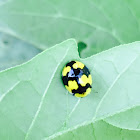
43,97
4,94
116,79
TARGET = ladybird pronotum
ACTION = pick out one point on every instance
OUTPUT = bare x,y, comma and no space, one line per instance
77,79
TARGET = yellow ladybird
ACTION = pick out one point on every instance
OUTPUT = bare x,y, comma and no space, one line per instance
77,79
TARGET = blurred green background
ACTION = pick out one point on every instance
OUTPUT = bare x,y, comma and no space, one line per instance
28,27
14,51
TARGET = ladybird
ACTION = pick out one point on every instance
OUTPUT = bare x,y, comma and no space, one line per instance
77,79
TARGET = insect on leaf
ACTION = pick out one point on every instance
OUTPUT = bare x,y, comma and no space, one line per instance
34,103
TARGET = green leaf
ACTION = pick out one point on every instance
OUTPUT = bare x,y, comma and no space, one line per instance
100,130
14,51
100,24
35,105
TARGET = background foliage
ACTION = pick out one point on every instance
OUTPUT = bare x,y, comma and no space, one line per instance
100,24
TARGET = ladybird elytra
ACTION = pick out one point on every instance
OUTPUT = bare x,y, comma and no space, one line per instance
77,78
66,70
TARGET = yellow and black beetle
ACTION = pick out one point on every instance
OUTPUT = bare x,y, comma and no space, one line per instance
77,79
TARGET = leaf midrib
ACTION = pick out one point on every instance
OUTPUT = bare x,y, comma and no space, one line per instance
43,97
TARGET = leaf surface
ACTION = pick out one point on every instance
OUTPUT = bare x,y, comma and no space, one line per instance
35,105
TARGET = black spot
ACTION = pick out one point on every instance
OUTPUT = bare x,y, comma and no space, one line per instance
65,80
76,71
70,63
73,78
86,71
81,89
